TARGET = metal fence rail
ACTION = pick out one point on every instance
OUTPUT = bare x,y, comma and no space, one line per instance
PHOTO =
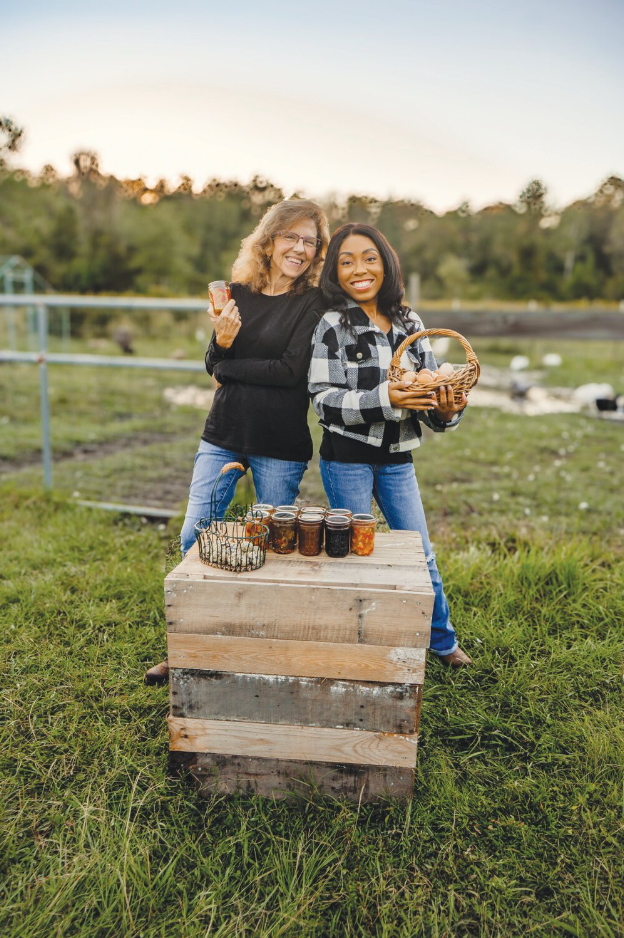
43,358
605,324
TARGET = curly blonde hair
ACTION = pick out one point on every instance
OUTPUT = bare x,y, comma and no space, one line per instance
253,263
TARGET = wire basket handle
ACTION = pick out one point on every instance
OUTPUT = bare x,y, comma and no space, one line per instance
471,358
229,466
232,465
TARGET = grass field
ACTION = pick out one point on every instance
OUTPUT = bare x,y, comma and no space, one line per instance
516,821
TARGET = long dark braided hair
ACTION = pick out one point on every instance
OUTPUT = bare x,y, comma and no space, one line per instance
389,298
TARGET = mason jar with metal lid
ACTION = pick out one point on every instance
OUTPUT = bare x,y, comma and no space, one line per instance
310,528
257,525
337,535
340,511
363,534
283,532
259,506
219,293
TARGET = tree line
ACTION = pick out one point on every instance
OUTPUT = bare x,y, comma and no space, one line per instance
93,233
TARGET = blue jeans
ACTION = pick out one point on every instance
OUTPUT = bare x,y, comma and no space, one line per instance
395,489
276,482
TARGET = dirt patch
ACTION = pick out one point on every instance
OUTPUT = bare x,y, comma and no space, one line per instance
87,452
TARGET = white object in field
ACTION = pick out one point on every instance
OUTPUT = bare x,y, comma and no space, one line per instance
200,335
589,393
552,360
189,396
440,346
519,363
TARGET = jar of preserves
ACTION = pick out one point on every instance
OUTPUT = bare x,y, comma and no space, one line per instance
310,527
363,534
219,293
340,511
337,535
295,509
283,531
257,526
259,506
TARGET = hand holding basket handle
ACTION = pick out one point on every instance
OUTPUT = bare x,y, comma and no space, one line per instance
461,380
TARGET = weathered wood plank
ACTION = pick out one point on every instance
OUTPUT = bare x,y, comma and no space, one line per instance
302,613
400,550
280,778
400,665
306,701
385,569
302,743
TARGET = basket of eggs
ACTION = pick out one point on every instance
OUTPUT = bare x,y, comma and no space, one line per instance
461,379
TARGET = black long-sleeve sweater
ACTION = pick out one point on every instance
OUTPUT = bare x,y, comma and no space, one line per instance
262,407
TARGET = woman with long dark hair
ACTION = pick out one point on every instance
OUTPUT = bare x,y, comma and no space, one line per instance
371,425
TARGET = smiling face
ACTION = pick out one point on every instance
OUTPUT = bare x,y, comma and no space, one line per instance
291,260
360,268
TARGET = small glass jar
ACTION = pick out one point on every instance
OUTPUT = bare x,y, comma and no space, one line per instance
283,532
313,509
257,526
219,293
340,511
258,506
310,534
337,535
363,534
294,508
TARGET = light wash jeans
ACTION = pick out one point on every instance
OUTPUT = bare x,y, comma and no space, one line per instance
276,482
395,489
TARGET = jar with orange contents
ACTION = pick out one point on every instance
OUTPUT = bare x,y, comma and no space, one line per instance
363,534
257,526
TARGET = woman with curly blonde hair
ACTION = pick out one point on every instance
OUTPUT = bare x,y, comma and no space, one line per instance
259,354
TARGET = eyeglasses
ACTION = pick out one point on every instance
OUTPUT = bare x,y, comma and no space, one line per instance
291,237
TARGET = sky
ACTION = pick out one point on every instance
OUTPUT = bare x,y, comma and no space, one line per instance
443,102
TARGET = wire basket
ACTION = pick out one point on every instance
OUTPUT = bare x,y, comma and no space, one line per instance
462,380
238,542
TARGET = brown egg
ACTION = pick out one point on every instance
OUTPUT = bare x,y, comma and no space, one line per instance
425,376
409,377
446,369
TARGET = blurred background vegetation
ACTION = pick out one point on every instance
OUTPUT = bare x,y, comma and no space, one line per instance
94,233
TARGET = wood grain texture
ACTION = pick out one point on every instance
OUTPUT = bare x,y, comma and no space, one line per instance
301,743
281,778
306,701
397,665
304,613
396,549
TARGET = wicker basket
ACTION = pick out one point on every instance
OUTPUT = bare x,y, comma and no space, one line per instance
462,380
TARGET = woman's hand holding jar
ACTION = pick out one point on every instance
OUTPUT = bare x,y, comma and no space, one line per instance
226,324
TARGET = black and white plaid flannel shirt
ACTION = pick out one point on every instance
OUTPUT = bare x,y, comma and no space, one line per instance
348,380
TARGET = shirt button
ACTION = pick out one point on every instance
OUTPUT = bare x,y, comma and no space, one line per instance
359,355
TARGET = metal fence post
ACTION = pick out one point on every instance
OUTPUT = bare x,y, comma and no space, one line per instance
42,318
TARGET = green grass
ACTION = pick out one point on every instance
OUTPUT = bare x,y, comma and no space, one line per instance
517,806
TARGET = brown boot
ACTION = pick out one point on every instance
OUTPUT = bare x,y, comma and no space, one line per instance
159,674
456,659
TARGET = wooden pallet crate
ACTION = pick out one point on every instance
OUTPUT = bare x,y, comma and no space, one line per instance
305,674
